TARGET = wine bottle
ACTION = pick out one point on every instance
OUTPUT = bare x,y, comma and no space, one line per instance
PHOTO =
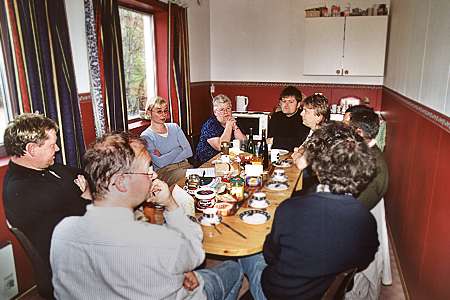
264,150
251,143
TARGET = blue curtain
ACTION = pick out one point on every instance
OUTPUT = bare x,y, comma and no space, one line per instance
44,69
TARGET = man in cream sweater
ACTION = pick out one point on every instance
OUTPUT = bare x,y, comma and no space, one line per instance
106,254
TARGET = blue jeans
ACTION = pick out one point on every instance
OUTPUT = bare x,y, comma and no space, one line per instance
223,281
253,267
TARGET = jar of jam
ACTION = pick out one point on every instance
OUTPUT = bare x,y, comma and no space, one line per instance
237,187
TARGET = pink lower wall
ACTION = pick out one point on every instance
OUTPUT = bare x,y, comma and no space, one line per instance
417,202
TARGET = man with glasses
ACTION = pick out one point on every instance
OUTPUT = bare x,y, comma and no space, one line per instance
286,129
218,128
106,254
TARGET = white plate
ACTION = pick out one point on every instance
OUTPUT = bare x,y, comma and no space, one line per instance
280,179
277,186
258,203
281,151
254,216
209,221
282,164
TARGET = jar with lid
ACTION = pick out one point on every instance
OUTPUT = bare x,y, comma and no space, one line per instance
237,187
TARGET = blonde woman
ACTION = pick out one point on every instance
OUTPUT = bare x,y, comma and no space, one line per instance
166,143
218,128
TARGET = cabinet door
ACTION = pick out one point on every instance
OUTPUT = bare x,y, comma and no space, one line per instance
323,46
365,45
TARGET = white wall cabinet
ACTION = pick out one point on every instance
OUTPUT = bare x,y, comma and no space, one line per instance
345,46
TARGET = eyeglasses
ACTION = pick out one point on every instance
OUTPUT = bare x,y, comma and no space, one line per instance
223,110
288,101
149,172
161,112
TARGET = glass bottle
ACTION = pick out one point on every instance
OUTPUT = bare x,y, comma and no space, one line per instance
264,150
251,143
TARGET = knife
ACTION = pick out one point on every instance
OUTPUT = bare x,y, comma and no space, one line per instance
234,230
217,229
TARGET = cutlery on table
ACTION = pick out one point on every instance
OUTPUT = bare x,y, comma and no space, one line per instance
234,230
217,229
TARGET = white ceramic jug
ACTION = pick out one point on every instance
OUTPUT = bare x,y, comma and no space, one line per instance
241,103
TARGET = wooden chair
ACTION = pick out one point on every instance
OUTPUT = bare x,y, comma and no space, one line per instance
42,272
339,286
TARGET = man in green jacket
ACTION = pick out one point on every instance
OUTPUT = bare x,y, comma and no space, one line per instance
367,124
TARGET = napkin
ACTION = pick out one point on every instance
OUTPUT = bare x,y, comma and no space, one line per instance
184,200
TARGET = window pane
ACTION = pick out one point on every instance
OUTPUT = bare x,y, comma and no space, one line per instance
139,59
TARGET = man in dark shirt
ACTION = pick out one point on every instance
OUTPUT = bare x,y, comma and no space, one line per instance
38,193
286,127
367,124
316,236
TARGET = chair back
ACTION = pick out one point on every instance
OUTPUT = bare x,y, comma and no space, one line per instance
42,272
338,288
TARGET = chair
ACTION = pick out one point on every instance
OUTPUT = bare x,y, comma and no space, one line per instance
42,272
368,282
339,286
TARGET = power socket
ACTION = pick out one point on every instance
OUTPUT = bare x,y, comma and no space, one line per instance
212,88
8,279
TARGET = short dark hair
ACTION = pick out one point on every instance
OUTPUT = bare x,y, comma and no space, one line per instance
24,129
358,108
340,158
109,155
291,91
319,103
368,121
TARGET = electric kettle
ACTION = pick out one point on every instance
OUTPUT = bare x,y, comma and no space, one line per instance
241,103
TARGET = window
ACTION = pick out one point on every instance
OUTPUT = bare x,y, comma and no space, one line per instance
6,110
138,46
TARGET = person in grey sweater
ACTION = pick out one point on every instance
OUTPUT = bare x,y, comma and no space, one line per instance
107,254
166,143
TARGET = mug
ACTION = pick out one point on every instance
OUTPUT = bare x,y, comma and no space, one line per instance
259,196
278,173
210,214
274,155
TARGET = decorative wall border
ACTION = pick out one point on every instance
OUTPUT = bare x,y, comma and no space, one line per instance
437,118
278,84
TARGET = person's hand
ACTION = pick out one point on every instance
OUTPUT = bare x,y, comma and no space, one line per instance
156,153
82,183
231,123
161,195
190,281
298,151
300,162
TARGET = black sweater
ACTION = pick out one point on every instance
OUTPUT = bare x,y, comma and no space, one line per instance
36,201
287,132
312,239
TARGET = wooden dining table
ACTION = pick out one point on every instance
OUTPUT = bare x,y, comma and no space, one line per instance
221,240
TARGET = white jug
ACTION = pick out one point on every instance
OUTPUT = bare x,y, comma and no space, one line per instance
241,103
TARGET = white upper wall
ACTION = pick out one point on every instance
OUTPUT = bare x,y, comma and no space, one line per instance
418,62
260,40
199,41
77,32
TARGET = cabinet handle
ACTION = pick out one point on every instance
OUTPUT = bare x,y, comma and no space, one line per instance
338,71
346,72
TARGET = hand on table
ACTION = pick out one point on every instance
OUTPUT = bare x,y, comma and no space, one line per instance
298,151
190,281
300,161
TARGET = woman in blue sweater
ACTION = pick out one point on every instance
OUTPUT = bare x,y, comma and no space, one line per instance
166,143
